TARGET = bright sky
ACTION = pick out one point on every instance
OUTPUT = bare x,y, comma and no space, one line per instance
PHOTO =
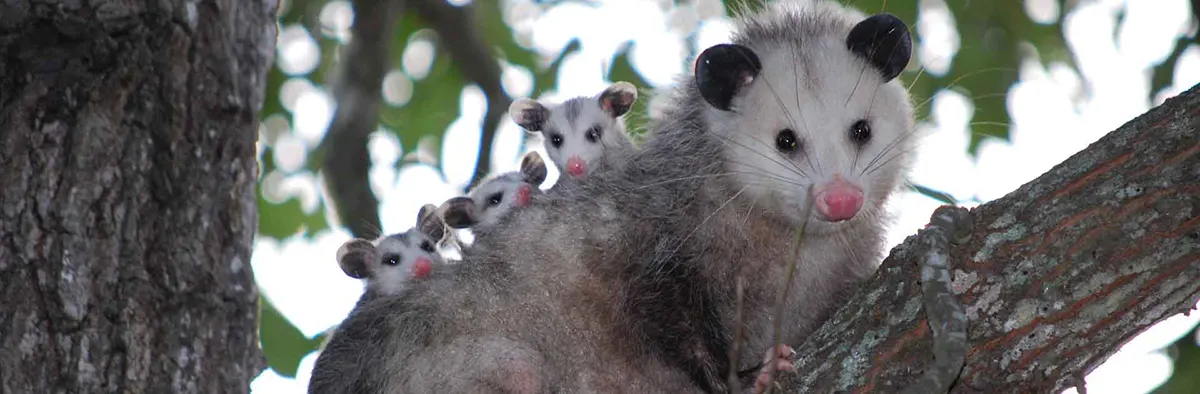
1056,112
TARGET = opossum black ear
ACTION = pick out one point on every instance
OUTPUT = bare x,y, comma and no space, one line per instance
356,257
429,223
459,212
618,98
533,168
884,42
723,70
528,114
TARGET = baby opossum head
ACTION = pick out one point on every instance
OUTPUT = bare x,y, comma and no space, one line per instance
810,100
493,199
579,131
389,262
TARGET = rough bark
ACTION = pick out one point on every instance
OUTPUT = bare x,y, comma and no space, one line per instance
1054,277
127,204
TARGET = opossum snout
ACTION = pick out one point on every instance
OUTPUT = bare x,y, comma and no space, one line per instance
575,166
422,267
838,200
524,195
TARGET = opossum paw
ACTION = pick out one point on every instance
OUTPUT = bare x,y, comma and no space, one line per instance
780,358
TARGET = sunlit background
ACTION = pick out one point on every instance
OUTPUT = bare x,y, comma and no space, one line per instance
1056,110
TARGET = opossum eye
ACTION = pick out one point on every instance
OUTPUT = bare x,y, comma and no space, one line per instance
427,247
495,198
860,132
556,139
391,259
786,141
593,134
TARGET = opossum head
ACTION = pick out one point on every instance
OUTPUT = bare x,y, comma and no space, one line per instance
389,262
579,131
489,203
810,110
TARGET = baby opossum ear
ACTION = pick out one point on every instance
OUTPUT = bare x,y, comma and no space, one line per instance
723,70
356,257
528,114
533,168
459,212
882,40
429,223
618,98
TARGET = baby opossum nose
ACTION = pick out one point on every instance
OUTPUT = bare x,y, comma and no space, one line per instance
422,267
839,200
524,195
575,166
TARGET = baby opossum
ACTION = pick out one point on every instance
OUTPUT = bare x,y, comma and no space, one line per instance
390,262
627,282
493,199
583,134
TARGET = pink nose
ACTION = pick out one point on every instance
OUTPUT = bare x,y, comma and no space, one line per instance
524,195
575,166
422,267
839,200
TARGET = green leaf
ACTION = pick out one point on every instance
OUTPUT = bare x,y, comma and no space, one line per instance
1164,73
544,80
622,70
282,343
935,194
1186,355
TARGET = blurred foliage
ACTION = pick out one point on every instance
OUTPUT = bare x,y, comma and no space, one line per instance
992,33
282,343
1185,353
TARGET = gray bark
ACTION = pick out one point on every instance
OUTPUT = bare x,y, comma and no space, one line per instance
127,204
1054,277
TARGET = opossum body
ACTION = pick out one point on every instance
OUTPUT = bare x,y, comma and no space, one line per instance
627,282
583,135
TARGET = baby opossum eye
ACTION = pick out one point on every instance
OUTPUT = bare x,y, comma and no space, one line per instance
556,139
786,141
495,198
391,259
427,247
593,134
860,132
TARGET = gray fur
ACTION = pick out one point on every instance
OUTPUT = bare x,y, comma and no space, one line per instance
571,121
625,283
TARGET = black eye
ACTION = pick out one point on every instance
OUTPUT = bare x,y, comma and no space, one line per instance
786,141
391,259
593,134
427,247
860,132
556,139
495,198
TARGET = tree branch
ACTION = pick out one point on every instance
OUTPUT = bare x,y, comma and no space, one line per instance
1054,277
346,162
457,29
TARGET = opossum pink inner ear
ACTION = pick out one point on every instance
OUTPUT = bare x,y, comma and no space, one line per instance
357,258
533,169
884,42
429,223
723,71
529,114
618,98
459,212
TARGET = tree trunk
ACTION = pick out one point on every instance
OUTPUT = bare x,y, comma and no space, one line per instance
127,204
1054,277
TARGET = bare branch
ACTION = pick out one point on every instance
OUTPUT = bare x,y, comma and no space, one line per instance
1054,277
456,27
346,161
